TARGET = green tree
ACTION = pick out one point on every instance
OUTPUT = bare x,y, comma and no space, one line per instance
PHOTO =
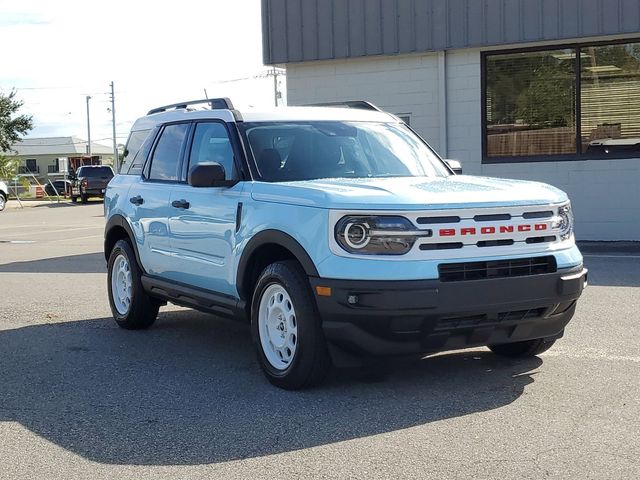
12,125
8,167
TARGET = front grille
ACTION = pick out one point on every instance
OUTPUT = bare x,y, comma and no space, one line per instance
521,267
474,321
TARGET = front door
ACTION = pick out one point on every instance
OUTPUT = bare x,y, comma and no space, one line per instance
202,221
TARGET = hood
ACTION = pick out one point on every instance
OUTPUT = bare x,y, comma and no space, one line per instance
410,193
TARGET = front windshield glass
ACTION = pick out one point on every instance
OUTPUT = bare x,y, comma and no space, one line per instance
290,151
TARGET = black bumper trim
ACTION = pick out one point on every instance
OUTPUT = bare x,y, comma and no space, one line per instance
423,316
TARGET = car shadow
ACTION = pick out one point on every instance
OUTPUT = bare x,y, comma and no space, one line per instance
188,391
82,263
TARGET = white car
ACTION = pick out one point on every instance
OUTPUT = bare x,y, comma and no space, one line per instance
4,194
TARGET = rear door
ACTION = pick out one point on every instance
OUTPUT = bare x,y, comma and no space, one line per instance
150,199
202,221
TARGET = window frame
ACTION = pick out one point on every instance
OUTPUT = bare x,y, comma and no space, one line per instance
150,138
572,157
146,171
186,158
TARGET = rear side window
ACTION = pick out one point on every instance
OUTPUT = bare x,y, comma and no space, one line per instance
211,144
134,152
166,156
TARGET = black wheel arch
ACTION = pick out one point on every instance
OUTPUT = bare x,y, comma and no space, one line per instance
275,239
117,228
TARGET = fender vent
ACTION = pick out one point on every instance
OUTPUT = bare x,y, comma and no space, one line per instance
521,267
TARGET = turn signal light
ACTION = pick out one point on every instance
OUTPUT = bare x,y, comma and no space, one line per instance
323,291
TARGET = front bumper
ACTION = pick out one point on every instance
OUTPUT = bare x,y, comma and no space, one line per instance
373,318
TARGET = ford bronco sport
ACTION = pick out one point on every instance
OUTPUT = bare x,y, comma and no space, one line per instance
338,233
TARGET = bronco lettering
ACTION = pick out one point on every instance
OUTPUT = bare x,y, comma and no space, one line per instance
452,232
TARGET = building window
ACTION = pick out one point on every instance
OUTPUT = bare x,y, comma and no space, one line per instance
562,104
405,117
32,166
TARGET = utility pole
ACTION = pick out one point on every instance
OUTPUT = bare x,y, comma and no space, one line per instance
275,86
116,159
88,128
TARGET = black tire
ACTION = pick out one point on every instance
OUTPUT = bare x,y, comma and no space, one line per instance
529,348
311,361
143,309
3,201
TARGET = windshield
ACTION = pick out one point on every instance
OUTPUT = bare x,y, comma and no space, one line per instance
290,151
95,172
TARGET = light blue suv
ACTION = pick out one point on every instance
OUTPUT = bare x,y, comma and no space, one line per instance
338,233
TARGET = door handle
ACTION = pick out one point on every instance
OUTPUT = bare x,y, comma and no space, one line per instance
180,204
137,200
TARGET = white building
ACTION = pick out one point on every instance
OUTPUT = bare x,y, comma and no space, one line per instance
542,90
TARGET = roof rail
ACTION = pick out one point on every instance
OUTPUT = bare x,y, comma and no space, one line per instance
361,104
214,103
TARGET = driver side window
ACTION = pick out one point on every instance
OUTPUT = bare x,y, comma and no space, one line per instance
211,143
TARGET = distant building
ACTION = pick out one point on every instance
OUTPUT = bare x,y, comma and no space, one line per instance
544,90
39,156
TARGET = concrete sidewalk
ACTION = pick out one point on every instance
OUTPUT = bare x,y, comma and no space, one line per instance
14,204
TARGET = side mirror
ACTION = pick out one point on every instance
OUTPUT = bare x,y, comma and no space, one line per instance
454,165
209,174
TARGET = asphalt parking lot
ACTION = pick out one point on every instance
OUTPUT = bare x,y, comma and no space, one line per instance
80,398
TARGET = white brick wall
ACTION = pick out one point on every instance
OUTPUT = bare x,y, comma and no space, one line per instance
605,194
401,84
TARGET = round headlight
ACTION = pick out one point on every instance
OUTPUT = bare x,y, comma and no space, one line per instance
356,235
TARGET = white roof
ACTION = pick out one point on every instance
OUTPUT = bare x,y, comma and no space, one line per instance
276,114
62,146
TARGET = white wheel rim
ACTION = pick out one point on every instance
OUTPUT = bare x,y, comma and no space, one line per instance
2,202
278,327
121,284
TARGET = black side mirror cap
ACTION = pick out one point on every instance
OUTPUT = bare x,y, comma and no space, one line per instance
454,165
209,174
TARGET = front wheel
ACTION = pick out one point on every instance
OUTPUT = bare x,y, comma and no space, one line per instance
286,328
3,202
528,348
132,308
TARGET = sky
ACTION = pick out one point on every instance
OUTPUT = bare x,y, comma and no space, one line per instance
55,53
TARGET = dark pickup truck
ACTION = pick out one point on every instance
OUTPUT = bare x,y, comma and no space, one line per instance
90,181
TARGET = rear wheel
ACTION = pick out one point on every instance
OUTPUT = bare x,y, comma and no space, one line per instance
3,201
130,305
524,349
287,329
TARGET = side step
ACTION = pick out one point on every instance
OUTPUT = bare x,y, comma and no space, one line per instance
199,299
